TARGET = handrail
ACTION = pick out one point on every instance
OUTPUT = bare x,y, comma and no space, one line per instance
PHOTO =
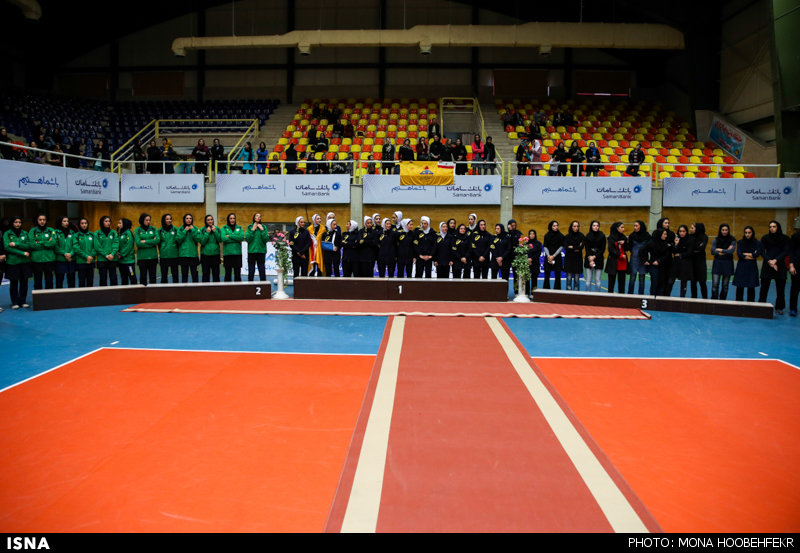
64,155
252,128
118,151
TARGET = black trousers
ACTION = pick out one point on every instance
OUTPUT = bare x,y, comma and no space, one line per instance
233,267
65,269
366,269
350,267
85,275
751,293
332,260
424,268
42,273
458,269
147,271
127,274
299,265
210,265
386,267
619,277
443,270
555,270
188,265
169,265
780,287
405,268
108,272
481,268
256,260
18,290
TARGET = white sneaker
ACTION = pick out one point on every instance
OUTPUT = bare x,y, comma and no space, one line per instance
25,305
15,307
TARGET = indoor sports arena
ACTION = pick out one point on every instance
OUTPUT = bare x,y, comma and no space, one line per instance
357,266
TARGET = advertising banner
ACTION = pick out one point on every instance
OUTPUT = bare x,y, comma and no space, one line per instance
179,188
92,186
746,193
276,189
727,137
32,180
426,173
465,190
582,191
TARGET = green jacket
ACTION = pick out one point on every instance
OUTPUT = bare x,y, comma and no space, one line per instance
106,245
125,254
210,241
146,242
232,240
16,255
63,245
168,246
256,239
83,247
43,243
187,242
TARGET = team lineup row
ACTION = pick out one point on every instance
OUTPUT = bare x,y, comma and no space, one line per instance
56,255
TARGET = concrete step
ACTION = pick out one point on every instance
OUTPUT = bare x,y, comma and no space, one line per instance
273,129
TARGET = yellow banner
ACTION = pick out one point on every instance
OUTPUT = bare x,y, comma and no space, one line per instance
422,173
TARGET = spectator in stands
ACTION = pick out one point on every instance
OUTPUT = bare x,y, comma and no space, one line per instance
75,150
635,160
460,157
6,151
58,137
559,168
312,134
201,155
338,129
406,153
45,141
536,156
534,132
56,156
422,150
576,158
261,158
523,156
248,157
477,156
387,158
435,148
138,156
448,154
372,167
539,119
154,154
102,155
168,154
291,156
434,128
508,118
274,166
592,154
35,155
349,130
217,151
489,156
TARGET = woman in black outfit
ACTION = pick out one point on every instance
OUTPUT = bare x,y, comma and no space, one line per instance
560,158
443,259
699,265
593,261
481,240
576,158
368,248
666,270
331,257
654,256
776,248
723,248
682,264
424,248
387,249
405,249
350,251
553,244
499,250
534,260
794,270
300,242
461,251
748,250
617,265
574,243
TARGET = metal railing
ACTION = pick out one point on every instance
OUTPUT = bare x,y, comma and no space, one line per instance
62,162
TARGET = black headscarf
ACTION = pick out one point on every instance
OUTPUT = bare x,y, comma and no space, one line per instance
503,232
164,223
642,235
141,220
66,231
104,230
659,226
573,237
17,231
724,242
770,239
615,234
553,239
228,221
127,224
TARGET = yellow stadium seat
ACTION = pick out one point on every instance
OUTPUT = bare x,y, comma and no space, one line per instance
689,175
738,175
512,136
616,174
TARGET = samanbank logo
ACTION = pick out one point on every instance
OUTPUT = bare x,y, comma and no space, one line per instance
336,186
487,187
194,187
787,190
637,189
105,183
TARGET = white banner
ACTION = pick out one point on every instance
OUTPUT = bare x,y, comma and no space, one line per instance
277,189
20,179
156,188
582,191
92,186
747,193
317,189
465,190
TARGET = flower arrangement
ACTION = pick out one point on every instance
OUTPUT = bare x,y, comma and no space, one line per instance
521,267
281,245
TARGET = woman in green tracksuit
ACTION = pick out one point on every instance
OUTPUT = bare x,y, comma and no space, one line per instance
257,238
168,248
106,245
43,255
187,239
65,264
83,253
147,239
210,239
125,254
16,243
232,238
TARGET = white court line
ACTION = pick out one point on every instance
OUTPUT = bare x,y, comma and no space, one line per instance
613,503
238,351
361,514
50,370
672,358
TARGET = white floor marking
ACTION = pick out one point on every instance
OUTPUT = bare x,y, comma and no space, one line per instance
239,351
50,370
617,509
361,514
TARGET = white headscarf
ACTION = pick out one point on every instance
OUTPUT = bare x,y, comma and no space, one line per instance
442,233
297,221
376,216
399,215
425,230
383,223
328,223
314,218
404,224
367,218
330,216
353,226
475,224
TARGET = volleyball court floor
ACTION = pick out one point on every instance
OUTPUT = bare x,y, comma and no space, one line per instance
119,421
